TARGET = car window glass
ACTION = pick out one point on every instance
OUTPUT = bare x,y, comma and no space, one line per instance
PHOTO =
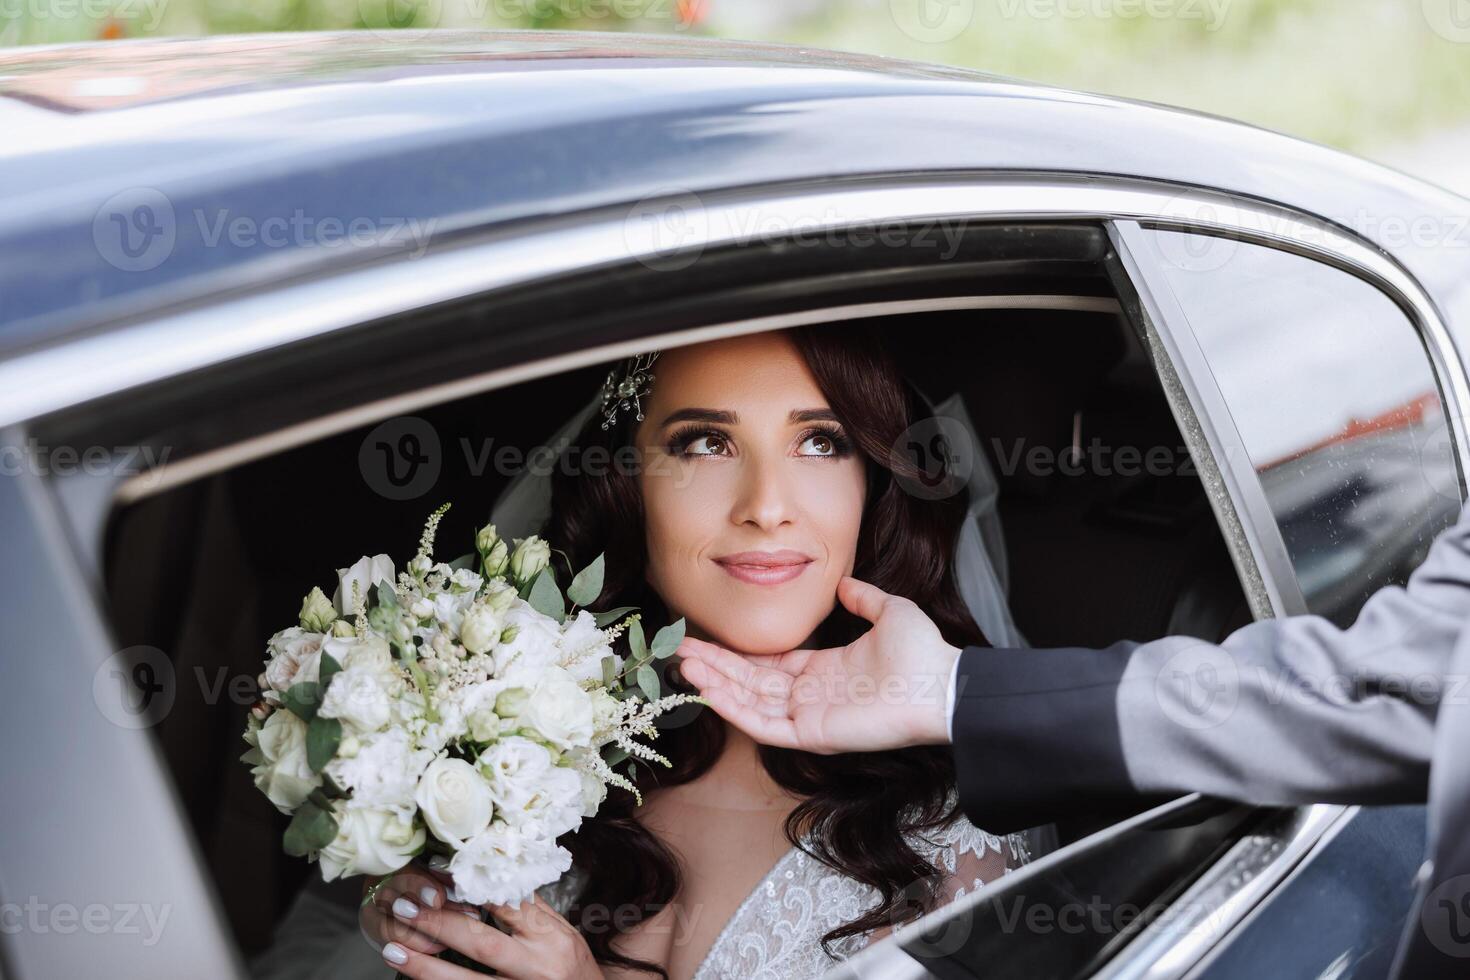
1336,404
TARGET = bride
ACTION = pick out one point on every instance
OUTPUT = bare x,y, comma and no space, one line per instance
770,466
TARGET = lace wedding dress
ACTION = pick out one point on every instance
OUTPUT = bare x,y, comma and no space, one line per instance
775,933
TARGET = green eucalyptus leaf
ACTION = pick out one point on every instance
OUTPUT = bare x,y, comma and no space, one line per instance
637,647
465,561
386,596
303,699
667,640
612,615
648,682
322,738
587,584
609,673
311,829
546,598
329,669
615,754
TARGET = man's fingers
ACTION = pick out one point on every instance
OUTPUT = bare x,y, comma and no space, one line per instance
713,654
767,729
763,683
861,598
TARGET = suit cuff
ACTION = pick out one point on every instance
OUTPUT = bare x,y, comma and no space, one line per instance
1035,734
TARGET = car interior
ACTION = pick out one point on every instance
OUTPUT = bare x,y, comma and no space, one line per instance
207,569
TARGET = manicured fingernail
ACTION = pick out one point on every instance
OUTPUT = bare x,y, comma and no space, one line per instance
438,862
430,895
472,913
395,953
404,908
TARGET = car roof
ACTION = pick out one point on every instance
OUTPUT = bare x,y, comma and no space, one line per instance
463,130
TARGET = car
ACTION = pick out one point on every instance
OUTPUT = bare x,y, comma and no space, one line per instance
266,297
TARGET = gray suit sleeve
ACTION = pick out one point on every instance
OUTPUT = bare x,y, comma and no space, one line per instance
1283,711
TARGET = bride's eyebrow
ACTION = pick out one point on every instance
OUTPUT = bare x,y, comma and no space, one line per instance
722,417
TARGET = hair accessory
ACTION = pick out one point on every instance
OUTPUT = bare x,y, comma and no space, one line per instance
625,385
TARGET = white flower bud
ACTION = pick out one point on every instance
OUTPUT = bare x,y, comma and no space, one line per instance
511,703
531,555
317,611
481,628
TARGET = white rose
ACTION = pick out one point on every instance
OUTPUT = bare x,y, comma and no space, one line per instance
382,772
455,800
360,697
560,711
535,646
481,627
367,573
369,842
584,647
290,650
370,651
503,866
283,774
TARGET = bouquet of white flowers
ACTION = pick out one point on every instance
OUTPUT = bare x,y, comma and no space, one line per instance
458,708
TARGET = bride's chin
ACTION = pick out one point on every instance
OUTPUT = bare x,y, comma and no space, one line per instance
758,644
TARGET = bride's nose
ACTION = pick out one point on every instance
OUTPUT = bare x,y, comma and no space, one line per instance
766,493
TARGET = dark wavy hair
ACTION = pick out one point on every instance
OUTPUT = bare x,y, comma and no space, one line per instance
856,807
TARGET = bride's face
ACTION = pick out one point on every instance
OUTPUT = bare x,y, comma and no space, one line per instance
744,456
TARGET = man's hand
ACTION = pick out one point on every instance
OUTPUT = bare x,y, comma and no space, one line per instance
885,690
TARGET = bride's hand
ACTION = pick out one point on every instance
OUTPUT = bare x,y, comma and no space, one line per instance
885,690
541,944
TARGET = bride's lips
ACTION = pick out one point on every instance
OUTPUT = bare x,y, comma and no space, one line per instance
765,567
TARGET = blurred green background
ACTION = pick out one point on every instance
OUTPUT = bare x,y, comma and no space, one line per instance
1386,78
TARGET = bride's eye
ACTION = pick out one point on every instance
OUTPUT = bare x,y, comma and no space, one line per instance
827,442
698,442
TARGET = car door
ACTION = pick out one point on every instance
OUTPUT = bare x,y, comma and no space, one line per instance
98,863
1142,863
